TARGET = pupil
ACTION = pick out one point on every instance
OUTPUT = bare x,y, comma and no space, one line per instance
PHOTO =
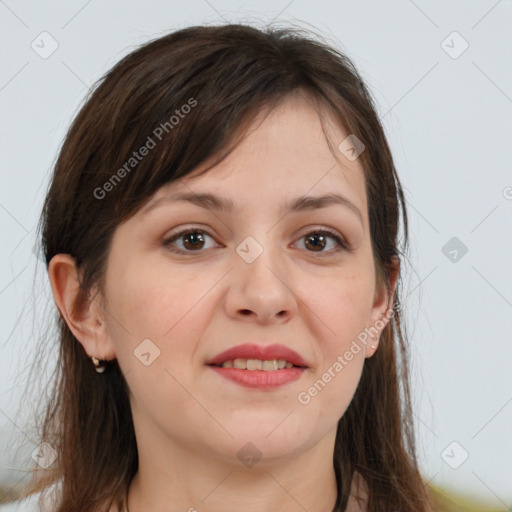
312,237
193,238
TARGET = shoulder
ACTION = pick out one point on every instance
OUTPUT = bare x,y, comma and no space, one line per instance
29,504
32,502
358,499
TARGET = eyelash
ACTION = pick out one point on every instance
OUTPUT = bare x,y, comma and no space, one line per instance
324,231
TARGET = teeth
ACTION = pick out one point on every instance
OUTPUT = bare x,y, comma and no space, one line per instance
268,365
240,363
254,364
257,364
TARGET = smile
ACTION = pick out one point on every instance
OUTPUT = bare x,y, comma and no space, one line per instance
257,364
259,378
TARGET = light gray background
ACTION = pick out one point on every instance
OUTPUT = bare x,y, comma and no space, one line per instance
449,125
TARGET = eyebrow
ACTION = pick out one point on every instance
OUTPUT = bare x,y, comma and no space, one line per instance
223,204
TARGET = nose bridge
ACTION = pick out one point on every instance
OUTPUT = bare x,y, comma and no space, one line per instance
258,256
260,278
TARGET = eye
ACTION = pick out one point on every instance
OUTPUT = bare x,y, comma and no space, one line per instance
317,240
193,240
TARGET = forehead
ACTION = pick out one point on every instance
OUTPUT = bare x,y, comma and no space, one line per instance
283,154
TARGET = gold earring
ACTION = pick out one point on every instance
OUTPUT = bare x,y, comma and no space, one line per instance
99,367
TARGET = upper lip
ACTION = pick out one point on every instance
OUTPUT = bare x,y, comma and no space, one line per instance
261,352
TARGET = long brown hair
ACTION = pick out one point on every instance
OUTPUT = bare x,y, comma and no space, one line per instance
224,75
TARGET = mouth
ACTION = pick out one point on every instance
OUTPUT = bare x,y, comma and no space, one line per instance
270,365
261,367
247,373
252,356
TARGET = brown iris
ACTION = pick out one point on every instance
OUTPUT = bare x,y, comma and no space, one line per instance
316,244
193,238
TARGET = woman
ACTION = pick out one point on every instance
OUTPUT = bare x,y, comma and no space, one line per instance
221,236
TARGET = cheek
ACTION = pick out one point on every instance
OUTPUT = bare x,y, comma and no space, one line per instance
343,306
167,309
327,394
152,300
340,381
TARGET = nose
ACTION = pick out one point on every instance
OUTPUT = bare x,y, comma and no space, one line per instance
261,290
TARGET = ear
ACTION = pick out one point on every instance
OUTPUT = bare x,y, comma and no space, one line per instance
83,313
382,306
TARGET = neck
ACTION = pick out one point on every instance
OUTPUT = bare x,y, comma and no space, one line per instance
192,481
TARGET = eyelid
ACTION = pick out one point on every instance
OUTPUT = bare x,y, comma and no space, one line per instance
343,244
167,241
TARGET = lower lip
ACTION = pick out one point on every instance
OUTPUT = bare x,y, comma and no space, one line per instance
260,379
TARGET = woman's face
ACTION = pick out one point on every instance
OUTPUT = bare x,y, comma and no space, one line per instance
259,274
